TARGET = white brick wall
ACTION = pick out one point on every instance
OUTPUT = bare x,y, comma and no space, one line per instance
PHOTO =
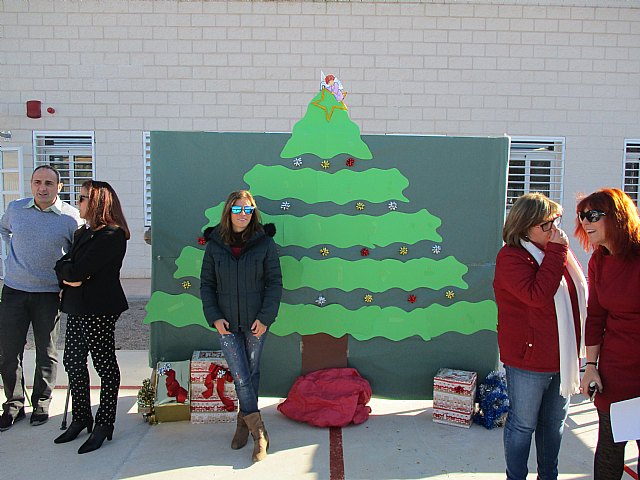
544,68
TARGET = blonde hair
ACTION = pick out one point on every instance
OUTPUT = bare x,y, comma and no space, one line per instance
529,210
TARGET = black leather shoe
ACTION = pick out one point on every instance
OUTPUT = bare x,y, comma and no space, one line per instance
74,430
100,432
38,417
7,420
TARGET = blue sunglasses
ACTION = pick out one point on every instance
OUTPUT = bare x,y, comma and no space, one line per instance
237,209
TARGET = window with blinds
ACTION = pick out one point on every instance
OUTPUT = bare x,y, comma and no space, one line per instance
536,164
72,154
146,145
631,168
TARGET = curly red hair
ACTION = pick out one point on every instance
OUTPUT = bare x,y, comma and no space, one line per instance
622,223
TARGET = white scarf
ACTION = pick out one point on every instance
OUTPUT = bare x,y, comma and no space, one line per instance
569,367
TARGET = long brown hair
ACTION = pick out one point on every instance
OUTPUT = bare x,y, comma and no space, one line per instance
529,210
621,222
226,227
104,208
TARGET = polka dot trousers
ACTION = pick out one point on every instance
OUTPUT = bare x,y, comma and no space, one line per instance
95,334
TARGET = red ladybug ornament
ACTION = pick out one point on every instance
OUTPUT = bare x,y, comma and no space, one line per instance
350,162
364,252
412,299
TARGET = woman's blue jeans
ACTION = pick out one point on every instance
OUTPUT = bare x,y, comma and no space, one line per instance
242,351
535,404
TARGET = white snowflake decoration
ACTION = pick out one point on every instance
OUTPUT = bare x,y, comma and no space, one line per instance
297,162
436,249
393,205
285,205
321,301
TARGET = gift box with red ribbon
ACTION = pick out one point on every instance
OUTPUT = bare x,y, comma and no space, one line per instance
454,393
171,381
213,394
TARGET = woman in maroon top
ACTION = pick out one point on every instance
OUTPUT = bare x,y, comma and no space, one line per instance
540,293
608,222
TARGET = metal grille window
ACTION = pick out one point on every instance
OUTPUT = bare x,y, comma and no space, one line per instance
72,154
631,169
535,165
11,187
146,145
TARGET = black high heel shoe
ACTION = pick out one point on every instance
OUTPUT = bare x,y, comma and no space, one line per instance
100,432
74,430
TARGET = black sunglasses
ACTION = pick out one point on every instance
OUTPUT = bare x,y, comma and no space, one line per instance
82,197
592,215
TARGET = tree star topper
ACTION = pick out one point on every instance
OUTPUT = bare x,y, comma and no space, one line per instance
331,88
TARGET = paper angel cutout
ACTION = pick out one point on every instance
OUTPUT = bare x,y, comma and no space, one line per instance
333,85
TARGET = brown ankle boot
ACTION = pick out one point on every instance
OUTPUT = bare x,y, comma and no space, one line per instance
259,434
242,433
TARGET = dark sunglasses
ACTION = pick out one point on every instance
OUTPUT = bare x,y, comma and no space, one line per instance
546,226
237,209
82,197
592,215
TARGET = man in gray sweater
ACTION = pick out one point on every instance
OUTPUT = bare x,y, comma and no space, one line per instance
37,232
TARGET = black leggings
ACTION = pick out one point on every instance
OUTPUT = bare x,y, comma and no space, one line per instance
608,463
95,334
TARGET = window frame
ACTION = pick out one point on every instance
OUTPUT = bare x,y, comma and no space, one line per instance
42,155
146,177
523,182
631,189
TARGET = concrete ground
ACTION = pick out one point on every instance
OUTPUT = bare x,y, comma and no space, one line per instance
399,441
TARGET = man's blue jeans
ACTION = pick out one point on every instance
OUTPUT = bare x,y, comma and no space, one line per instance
242,351
535,404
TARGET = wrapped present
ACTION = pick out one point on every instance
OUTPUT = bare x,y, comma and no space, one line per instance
213,394
454,394
460,382
450,417
171,382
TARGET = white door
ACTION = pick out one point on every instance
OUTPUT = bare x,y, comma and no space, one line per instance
11,184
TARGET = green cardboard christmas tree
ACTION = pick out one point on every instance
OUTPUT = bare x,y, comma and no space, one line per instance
362,269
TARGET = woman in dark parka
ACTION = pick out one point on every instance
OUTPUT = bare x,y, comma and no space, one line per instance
241,286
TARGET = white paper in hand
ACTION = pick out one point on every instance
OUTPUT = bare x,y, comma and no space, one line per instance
625,420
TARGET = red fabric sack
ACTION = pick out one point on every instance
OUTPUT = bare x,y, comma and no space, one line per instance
334,397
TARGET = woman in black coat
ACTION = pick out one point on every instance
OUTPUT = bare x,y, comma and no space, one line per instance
93,298
241,286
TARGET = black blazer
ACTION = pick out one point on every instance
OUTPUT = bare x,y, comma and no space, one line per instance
95,259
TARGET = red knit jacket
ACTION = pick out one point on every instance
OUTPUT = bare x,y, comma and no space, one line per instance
524,290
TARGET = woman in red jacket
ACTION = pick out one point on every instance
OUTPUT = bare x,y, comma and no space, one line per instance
540,293
608,222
